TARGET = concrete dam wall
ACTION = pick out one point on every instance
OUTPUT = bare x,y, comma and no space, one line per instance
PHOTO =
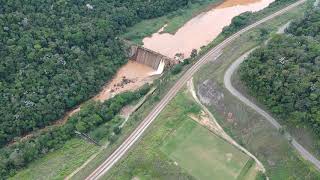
150,58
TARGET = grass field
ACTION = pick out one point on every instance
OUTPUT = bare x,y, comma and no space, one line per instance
176,147
203,154
58,164
173,20
247,127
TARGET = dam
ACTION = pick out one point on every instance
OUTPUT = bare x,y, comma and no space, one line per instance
150,58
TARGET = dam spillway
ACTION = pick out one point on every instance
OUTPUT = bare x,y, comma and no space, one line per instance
150,58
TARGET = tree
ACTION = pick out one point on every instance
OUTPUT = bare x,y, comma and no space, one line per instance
194,53
17,158
284,74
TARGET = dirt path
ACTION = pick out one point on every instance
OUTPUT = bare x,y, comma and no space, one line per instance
219,130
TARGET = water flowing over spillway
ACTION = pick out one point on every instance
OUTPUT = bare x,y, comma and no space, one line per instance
148,58
202,29
160,68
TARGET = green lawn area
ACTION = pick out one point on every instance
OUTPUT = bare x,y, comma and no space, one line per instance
203,154
176,147
173,20
60,163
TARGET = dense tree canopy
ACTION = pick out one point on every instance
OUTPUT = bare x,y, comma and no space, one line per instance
307,26
55,54
92,115
285,74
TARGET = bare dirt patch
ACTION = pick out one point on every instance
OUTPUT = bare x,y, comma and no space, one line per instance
209,94
205,121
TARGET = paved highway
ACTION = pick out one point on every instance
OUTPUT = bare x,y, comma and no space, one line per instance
227,82
137,133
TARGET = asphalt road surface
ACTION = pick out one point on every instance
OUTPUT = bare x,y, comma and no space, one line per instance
137,133
227,82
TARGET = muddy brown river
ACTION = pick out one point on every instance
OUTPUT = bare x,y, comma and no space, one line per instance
202,29
131,76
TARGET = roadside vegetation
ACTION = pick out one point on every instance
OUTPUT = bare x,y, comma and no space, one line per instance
284,75
60,163
242,123
248,18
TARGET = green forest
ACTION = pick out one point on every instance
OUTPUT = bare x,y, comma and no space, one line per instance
98,119
285,74
54,54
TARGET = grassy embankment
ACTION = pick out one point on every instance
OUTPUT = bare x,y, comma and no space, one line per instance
58,164
173,20
177,147
248,127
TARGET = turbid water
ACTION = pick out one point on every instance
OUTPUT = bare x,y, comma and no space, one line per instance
131,76
202,29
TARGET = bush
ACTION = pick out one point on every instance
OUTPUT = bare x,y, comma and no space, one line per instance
177,69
